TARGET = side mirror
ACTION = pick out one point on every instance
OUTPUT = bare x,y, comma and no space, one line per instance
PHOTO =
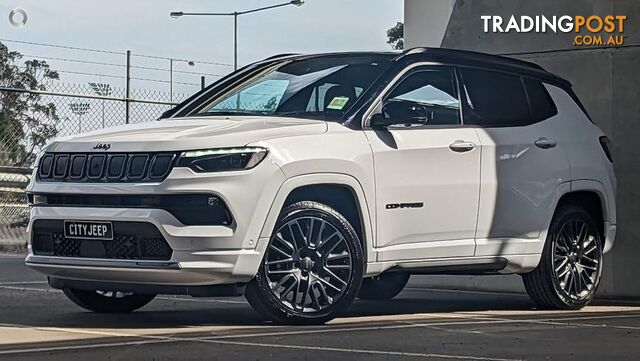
400,112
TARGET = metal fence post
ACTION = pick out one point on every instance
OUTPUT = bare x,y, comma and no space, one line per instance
201,82
128,86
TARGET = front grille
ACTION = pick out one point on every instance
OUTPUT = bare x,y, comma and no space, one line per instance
189,209
131,241
105,167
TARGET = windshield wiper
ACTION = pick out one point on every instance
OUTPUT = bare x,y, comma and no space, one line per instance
305,114
233,112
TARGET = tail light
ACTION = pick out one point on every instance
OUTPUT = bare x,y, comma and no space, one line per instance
605,142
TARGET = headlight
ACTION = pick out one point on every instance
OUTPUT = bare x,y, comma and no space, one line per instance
222,159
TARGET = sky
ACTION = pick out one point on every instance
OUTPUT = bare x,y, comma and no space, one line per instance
144,27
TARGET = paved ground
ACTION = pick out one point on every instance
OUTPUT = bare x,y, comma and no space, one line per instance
422,323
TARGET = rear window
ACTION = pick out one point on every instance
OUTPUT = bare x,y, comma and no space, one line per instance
542,106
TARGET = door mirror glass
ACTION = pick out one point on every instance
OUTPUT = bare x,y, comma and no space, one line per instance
400,112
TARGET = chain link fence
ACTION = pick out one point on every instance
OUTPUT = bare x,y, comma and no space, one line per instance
68,109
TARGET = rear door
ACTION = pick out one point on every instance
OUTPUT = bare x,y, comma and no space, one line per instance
522,160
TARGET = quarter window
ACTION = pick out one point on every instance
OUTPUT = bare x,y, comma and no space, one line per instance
494,99
542,106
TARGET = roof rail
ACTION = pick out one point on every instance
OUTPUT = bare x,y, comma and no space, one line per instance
280,56
414,51
472,54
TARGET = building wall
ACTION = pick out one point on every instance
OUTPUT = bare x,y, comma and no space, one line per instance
607,82
426,21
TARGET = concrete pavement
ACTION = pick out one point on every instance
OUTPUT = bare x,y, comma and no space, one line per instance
40,323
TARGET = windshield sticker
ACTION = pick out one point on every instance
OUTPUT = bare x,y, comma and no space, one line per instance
338,103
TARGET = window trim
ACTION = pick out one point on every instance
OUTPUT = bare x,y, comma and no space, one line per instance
395,81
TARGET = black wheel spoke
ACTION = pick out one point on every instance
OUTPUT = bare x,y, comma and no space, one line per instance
290,246
273,247
308,264
576,259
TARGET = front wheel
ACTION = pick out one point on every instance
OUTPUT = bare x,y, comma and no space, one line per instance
569,270
108,301
312,268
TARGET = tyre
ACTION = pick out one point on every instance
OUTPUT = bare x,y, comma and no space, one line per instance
107,301
312,268
571,263
383,287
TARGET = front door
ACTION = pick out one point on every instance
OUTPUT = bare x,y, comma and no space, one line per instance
427,170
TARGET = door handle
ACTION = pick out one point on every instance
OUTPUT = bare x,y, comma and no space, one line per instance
461,146
544,143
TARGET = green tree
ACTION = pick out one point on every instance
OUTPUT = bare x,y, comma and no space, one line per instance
26,121
395,36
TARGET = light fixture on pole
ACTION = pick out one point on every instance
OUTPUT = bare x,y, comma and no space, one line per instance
80,109
171,60
104,90
235,14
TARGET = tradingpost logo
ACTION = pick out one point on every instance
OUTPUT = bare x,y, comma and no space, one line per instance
590,30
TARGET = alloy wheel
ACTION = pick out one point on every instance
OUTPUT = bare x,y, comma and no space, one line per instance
577,259
308,264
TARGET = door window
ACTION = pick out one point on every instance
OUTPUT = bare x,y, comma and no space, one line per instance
432,90
494,99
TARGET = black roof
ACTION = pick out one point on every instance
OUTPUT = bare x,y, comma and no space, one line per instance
472,58
456,57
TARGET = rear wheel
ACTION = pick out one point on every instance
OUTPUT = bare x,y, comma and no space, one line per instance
312,268
569,270
108,301
383,287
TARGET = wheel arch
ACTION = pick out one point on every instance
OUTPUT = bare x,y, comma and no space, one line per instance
588,200
329,189
592,196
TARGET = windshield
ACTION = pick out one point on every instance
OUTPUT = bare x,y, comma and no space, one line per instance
320,87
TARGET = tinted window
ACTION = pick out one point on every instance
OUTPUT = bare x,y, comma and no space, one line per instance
321,96
494,99
433,89
323,87
542,106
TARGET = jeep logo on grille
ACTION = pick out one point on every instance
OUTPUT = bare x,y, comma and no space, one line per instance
102,146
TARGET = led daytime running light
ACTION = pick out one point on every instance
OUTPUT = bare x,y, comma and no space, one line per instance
222,151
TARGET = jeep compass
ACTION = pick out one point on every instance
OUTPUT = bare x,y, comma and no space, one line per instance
305,181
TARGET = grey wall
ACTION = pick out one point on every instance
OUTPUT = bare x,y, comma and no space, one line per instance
426,21
606,80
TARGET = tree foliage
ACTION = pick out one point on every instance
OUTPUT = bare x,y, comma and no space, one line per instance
395,36
26,121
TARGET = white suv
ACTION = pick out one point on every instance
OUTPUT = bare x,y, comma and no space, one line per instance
304,182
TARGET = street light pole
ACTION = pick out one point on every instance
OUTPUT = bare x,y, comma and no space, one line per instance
80,109
104,90
171,60
235,14
235,41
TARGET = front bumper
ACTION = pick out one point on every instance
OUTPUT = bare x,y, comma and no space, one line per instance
202,255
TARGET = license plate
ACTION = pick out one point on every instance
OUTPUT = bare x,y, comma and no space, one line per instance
88,230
